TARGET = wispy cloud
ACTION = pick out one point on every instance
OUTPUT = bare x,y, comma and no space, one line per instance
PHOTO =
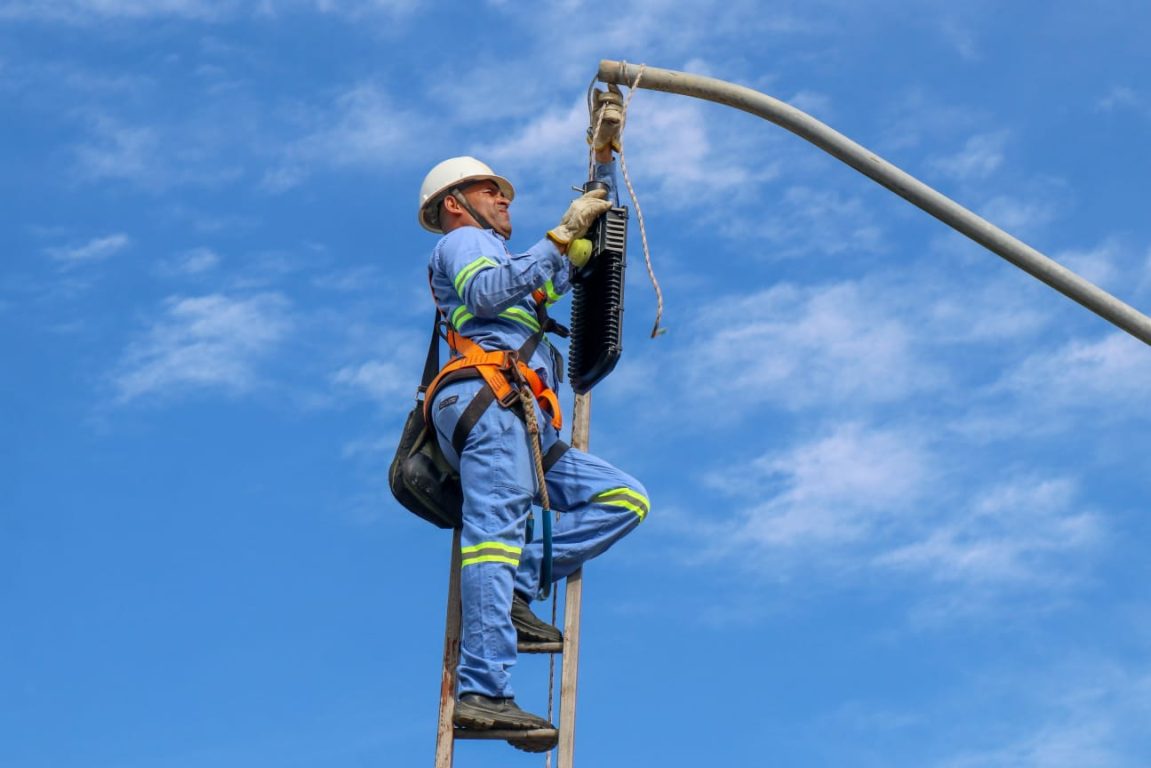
363,128
1087,713
980,157
841,489
1098,376
380,380
686,154
809,221
206,342
962,38
118,151
90,11
1123,99
797,347
95,250
151,156
1021,533
884,502
1019,216
537,146
78,11
197,261
352,8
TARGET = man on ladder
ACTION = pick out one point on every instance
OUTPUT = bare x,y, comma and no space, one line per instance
494,304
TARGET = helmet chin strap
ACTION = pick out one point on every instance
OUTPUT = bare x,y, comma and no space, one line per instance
463,201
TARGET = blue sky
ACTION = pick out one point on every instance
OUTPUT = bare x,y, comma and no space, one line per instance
899,487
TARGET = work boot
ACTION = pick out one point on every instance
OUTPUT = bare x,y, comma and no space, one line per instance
486,713
529,627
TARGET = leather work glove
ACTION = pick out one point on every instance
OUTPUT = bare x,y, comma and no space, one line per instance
580,214
607,114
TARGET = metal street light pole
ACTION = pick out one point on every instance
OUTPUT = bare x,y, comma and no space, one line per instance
879,170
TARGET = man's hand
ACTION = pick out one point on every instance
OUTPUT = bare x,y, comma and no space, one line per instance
606,119
580,215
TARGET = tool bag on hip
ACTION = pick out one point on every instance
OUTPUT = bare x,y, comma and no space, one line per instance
420,476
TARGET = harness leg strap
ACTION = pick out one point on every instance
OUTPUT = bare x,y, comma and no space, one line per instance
480,403
554,453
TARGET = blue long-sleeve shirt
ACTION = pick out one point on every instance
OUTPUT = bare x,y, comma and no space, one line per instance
486,290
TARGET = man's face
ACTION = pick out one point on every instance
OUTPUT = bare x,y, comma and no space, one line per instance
486,197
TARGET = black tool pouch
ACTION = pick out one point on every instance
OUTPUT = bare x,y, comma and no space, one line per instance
420,477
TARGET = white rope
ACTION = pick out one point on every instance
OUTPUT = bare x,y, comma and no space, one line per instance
656,329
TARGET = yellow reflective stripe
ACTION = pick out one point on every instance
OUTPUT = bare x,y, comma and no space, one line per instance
628,505
460,316
550,290
490,552
490,559
468,272
626,498
522,316
491,545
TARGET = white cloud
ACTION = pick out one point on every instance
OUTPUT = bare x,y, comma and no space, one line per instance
1107,376
961,38
980,157
813,103
839,490
383,381
1110,265
1025,532
91,11
885,502
199,260
917,120
363,128
1121,97
801,348
204,342
95,250
358,8
676,147
153,156
1017,216
1079,714
679,147
117,151
809,220
538,146
77,11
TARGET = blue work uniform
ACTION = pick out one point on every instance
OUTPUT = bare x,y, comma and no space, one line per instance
486,293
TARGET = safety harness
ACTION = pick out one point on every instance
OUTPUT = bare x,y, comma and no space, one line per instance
509,379
499,369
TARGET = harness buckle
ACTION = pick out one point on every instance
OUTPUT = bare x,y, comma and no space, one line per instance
515,378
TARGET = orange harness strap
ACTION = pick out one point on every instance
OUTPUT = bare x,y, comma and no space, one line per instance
496,368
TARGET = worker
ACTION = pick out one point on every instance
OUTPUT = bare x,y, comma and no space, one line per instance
493,297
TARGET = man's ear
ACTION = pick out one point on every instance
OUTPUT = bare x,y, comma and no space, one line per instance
449,205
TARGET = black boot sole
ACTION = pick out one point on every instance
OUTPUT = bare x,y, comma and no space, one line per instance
477,718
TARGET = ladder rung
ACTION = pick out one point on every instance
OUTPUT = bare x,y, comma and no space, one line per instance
541,647
535,734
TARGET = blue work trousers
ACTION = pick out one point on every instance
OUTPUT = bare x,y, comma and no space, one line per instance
599,505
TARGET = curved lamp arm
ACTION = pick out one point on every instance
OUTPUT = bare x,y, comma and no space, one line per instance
879,170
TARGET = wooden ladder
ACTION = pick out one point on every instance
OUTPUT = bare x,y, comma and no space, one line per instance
447,733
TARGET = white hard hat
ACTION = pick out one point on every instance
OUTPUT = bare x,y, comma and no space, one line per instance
452,173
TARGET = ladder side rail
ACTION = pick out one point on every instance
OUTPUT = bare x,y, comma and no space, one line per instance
445,734
573,600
